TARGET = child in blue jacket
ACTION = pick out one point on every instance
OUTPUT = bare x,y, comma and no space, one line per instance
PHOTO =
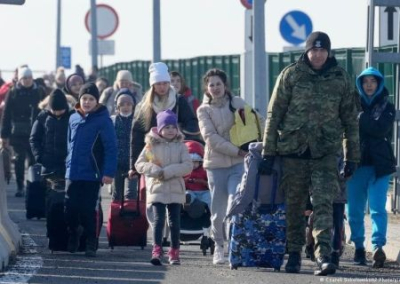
91,161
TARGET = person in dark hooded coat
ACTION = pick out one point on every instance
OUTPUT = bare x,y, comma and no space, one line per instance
371,179
48,139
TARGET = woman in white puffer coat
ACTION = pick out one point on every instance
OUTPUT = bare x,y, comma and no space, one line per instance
223,160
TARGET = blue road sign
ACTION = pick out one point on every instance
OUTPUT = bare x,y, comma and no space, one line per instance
66,57
295,27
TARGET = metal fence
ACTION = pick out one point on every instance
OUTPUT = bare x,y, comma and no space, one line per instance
192,69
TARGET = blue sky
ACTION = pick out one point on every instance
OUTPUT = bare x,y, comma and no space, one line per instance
190,28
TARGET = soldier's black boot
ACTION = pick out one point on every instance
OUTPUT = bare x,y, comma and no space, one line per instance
293,264
91,247
74,238
359,257
325,266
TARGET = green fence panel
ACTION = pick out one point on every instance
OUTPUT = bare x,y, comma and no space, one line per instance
193,69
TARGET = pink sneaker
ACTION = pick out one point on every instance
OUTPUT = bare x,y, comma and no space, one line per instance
174,256
156,255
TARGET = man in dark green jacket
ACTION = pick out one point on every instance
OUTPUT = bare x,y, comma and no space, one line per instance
311,113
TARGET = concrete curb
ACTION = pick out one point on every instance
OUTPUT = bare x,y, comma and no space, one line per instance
10,238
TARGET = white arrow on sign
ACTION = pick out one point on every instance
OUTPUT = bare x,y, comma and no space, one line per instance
299,31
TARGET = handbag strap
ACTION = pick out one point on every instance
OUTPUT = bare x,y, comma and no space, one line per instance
257,124
274,186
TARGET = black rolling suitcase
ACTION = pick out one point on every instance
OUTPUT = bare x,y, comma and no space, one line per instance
57,231
35,198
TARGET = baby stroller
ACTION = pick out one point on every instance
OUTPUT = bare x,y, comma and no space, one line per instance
195,216
195,224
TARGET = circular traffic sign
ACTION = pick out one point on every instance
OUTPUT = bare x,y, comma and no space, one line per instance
295,26
107,21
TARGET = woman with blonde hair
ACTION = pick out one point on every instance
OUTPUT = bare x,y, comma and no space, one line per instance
160,97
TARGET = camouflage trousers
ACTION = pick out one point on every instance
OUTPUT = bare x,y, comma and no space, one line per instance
300,178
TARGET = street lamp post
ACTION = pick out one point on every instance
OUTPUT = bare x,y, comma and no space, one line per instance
156,31
58,38
259,57
93,31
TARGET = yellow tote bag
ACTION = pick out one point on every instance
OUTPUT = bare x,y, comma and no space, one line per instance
246,128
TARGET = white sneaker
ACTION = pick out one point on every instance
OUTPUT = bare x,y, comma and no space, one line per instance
218,255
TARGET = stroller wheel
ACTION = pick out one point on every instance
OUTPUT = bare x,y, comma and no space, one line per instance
211,245
204,243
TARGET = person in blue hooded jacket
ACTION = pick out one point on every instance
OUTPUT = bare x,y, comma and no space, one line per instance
371,179
91,161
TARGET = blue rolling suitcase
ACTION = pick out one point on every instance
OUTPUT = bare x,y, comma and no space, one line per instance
258,236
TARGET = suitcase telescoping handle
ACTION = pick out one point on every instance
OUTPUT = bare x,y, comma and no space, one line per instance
131,213
274,188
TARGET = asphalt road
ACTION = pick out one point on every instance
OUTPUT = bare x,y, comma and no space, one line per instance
36,264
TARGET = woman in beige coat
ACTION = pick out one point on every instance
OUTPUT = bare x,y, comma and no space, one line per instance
165,161
222,160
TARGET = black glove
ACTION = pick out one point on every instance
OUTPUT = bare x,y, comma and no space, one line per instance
348,169
265,167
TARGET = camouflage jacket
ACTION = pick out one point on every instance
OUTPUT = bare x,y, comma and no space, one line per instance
315,111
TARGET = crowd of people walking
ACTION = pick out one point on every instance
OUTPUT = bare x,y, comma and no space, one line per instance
86,133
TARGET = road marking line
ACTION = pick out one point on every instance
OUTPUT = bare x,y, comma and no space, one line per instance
27,265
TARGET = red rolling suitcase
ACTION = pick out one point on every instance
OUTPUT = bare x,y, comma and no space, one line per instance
127,223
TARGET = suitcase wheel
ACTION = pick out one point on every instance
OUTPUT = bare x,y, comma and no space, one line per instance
204,244
142,247
233,266
277,269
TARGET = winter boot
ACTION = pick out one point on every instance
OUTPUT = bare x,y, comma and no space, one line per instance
74,239
20,189
379,258
293,264
91,247
359,257
156,255
174,256
218,257
325,266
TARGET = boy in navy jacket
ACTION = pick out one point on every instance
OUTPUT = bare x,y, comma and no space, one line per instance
91,161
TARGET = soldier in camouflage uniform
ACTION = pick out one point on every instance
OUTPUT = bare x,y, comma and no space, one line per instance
311,112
